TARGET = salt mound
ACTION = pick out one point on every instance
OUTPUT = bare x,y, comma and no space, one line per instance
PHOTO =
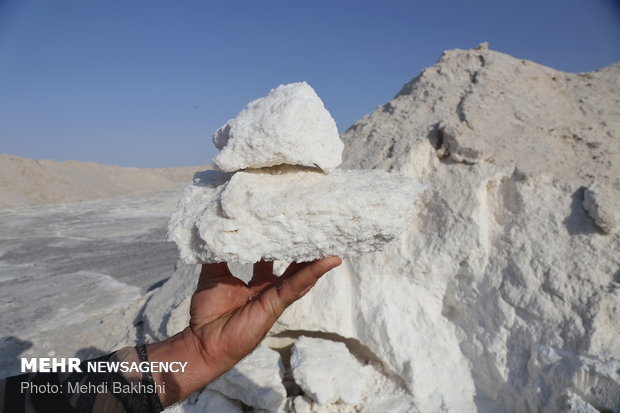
288,126
503,292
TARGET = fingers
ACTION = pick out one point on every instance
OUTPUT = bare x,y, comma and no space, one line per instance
215,270
294,268
219,269
263,267
263,274
297,284
215,274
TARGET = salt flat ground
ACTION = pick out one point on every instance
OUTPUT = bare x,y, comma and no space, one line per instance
73,276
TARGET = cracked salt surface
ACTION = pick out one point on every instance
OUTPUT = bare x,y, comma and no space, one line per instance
79,271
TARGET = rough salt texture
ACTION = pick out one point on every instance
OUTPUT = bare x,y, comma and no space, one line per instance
288,126
502,260
290,214
326,371
256,380
603,205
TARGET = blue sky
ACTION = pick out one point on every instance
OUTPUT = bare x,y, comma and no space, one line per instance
145,83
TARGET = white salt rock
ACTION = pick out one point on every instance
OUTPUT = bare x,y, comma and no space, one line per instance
603,204
290,214
575,404
301,404
326,371
392,404
256,380
207,401
288,126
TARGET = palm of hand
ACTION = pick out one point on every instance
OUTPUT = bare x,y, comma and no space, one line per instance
230,318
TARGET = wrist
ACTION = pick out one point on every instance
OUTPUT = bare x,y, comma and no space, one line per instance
183,347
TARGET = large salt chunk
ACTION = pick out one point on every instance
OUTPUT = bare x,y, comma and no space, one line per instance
288,126
326,371
290,214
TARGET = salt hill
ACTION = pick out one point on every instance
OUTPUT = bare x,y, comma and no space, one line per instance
504,291
34,182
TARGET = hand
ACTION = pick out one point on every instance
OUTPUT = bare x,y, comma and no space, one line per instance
229,319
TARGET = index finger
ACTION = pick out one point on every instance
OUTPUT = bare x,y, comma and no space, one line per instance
219,269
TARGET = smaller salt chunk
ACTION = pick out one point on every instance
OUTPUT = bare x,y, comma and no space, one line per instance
326,371
602,203
302,404
256,380
206,401
288,126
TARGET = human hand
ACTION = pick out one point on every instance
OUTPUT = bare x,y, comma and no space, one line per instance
229,318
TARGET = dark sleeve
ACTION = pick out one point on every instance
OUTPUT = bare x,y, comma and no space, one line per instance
84,392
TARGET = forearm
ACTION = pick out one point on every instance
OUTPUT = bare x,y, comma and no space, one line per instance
82,391
183,347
